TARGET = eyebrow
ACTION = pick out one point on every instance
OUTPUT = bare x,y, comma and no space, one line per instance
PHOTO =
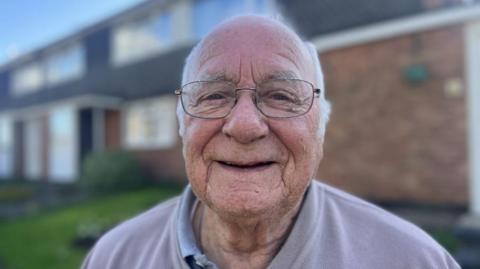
272,76
280,75
215,77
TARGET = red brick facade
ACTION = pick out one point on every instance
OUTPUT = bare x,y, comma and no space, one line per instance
389,139
435,4
165,164
162,164
112,130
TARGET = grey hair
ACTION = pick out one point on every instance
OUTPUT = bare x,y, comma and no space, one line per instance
325,106
186,74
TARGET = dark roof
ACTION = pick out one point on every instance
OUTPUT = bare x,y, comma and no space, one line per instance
136,10
313,18
155,76
162,73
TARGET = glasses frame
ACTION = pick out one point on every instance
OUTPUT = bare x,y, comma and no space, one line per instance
315,94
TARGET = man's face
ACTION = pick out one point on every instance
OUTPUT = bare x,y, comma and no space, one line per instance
247,164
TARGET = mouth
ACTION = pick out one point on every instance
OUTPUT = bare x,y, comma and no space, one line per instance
246,166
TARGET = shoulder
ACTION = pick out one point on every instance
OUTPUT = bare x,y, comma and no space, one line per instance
351,210
372,230
140,234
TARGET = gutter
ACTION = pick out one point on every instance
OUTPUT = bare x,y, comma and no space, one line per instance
397,27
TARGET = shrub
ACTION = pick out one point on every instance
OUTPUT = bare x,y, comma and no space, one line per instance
13,193
446,238
111,171
88,232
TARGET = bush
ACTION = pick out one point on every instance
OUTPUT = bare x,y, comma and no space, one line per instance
446,238
111,171
88,232
13,193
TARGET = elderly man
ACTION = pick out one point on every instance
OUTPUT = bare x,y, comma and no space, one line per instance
252,118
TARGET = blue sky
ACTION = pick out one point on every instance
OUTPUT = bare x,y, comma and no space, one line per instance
29,24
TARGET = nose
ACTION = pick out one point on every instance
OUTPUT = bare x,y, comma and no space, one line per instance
245,123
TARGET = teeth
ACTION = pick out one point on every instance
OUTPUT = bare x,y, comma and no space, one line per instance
246,165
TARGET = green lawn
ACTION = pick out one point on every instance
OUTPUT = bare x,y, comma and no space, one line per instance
45,240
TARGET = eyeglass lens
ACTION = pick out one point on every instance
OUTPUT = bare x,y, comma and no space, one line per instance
274,98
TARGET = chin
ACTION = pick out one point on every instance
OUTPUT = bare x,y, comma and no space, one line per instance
244,205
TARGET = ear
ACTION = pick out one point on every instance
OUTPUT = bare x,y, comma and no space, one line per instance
180,118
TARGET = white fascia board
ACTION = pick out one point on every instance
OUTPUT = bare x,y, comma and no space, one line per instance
89,100
394,28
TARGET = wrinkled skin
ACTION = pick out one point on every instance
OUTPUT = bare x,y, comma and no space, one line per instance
278,157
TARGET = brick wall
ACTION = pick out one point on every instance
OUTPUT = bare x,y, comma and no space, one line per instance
435,4
165,164
112,130
389,139
162,164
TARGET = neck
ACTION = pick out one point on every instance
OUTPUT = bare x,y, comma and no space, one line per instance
242,243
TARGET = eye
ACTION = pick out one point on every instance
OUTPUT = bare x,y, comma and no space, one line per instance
214,96
280,95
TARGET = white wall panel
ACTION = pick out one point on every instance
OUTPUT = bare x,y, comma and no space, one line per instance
63,145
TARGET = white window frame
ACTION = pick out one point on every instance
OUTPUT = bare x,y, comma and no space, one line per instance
115,55
171,128
248,8
16,87
74,47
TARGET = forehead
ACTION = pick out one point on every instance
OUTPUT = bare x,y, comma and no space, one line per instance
256,50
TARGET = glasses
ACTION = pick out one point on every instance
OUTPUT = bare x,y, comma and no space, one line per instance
278,98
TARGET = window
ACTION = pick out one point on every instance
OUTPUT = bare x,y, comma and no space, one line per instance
28,78
208,13
143,37
151,124
6,148
62,145
261,6
60,66
65,64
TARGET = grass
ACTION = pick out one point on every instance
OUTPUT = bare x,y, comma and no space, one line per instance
45,240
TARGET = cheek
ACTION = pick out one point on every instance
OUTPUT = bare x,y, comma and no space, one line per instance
304,149
300,136
198,133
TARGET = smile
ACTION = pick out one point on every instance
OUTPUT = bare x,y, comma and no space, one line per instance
246,166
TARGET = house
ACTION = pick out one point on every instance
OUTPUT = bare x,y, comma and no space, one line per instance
405,120
400,74
108,86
